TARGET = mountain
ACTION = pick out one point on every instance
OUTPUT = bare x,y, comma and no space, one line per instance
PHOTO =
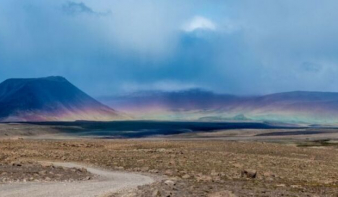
181,100
49,99
196,104
190,104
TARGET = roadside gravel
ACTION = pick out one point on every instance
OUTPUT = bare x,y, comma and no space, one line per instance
106,182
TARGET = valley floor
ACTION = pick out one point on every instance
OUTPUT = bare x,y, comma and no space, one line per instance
190,164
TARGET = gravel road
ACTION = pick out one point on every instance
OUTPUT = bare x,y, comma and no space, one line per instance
107,182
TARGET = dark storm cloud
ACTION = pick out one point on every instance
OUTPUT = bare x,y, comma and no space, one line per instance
245,47
311,67
74,8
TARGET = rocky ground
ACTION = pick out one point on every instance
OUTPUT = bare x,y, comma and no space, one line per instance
33,172
195,168
22,130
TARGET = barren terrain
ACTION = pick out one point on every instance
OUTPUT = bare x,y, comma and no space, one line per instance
232,163
99,182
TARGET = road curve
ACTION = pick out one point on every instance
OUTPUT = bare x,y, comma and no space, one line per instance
107,182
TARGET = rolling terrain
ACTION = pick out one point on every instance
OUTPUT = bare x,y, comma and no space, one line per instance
199,105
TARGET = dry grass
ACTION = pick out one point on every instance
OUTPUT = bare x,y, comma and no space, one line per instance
209,165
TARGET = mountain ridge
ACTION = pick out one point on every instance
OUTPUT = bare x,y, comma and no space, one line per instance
291,107
49,99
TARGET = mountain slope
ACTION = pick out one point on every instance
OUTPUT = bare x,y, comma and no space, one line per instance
181,100
190,104
295,107
49,99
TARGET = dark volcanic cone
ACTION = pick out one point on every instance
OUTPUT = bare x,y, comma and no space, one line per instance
49,99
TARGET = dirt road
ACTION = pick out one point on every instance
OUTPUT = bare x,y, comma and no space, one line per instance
107,182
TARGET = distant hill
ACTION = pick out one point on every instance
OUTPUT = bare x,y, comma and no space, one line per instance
196,104
181,100
49,99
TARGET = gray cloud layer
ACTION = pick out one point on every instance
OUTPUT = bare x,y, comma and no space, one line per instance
107,47
73,8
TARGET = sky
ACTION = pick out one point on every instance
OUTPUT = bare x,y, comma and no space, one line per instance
109,47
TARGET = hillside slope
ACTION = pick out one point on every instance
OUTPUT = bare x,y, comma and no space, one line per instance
49,99
292,107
